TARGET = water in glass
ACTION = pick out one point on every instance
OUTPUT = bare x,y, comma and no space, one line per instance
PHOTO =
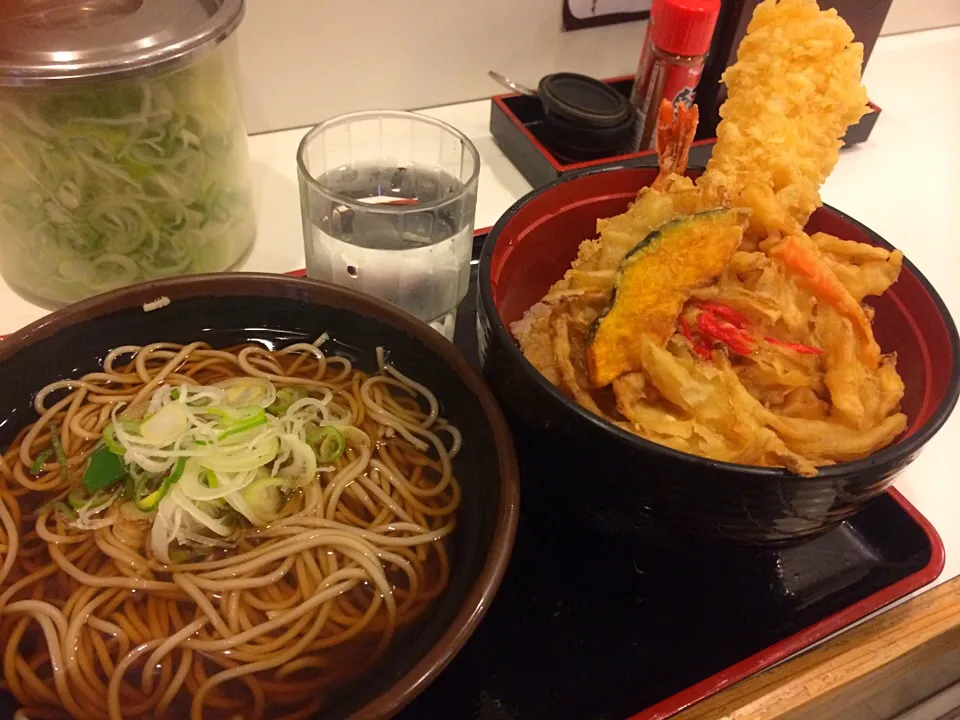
418,259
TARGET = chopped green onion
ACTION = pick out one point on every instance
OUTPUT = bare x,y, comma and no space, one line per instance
150,502
110,440
179,555
327,442
211,477
58,450
243,427
110,435
235,415
104,469
265,497
285,398
238,420
78,497
166,425
130,487
39,461
135,180
215,509
240,458
57,506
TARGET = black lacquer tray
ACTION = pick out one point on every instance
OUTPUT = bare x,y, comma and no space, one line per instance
592,626
518,126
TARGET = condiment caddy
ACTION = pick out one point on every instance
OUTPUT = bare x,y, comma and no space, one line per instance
518,125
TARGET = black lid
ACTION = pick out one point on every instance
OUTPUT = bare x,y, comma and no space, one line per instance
583,100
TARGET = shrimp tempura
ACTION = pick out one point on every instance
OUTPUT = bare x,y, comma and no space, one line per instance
791,95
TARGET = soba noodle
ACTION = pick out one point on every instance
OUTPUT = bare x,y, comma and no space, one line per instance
110,611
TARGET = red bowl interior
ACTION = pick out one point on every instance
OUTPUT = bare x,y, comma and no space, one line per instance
537,244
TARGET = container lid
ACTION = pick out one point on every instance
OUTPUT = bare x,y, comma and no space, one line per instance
684,27
583,100
56,41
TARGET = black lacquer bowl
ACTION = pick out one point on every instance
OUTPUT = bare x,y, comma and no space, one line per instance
630,485
231,308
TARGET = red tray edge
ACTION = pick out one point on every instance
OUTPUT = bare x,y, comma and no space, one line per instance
813,634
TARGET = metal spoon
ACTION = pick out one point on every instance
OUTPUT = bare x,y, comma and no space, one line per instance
510,84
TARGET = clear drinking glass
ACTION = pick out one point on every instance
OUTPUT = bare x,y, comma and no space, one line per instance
388,201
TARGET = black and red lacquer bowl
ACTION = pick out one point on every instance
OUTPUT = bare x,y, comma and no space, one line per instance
636,485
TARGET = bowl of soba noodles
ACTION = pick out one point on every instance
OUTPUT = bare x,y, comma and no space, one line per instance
242,496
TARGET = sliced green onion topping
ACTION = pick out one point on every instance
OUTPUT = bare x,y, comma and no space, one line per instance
285,398
39,461
211,477
78,497
181,555
150,502
58,450
166,425
56,506
110,435
327,442
234,416
265,497
242,427
104,469
110,440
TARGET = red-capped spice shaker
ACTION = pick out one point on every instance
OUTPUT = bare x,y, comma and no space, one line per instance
674,49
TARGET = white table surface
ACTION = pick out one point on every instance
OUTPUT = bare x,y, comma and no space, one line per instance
904,183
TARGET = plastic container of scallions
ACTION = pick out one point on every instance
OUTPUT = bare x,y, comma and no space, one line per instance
123,155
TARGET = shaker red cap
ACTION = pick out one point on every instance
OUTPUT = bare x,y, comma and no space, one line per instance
684,27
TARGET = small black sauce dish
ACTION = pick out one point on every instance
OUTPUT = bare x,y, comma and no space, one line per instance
585,118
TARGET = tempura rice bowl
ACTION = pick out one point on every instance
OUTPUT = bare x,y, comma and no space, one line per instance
633,484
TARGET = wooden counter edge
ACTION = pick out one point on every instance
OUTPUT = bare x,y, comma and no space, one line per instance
874,670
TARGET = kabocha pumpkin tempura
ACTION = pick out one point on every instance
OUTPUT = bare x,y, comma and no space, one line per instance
704,318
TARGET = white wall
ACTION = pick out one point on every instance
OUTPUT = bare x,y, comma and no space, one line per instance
910,15
305,60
